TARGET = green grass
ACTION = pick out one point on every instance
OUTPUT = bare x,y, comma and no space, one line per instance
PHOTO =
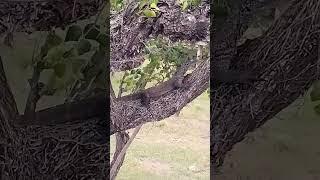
285,148
175,148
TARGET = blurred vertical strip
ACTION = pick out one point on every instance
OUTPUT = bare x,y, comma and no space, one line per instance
108,81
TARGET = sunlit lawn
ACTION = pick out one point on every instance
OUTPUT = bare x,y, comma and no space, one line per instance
175,148
285,148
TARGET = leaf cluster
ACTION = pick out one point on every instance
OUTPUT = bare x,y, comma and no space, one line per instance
185,4
162,59
116,5
77,57
148,8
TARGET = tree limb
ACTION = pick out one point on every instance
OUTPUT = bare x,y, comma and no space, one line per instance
128,37
8,108
287,57
68,113
130,114
120,156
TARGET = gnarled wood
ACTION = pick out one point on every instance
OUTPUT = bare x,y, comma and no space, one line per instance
67,151
128,37
287,57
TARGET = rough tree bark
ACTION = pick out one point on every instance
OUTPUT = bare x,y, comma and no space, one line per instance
290,46
73,150
287,57
129,33
68,150
127,42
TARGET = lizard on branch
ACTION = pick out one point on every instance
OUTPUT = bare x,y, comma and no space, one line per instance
176,82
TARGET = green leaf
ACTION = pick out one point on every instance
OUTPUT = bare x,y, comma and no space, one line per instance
154,1
91,31
74,33
185,5
142,4
103,40
84,46
149,13
59,70
52,40
55,55
136,76
154,6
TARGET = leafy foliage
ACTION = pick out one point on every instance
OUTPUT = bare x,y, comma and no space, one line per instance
116,5
162,60
77,61
148,8
185,4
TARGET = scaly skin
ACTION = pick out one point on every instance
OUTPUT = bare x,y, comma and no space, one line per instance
156,91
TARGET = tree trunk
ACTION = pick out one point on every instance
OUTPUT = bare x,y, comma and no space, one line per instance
286,58
78,150
72,151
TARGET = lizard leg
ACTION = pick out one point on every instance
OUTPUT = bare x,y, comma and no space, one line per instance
178,83
145,99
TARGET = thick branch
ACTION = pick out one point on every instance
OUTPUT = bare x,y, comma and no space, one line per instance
130,32
129,114
287,58
227,30
8,108
41,15
66,151
69,113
